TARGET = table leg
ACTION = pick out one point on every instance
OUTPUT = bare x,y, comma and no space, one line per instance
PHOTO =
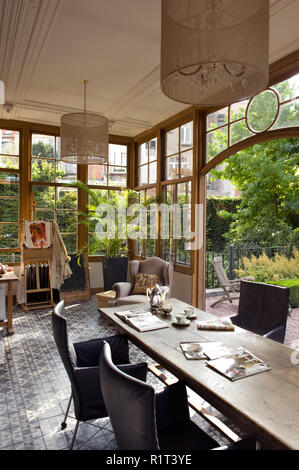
9,308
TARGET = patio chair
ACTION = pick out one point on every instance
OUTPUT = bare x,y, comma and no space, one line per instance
229,286
143,419
263,310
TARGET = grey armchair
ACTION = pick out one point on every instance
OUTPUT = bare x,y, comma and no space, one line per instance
152,265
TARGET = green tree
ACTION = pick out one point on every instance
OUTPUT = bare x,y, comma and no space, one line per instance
267,176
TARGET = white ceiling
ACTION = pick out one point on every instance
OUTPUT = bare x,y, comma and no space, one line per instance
48,46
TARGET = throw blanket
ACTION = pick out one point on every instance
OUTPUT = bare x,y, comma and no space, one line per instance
60,268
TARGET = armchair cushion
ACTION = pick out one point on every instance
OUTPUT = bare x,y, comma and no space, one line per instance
143,281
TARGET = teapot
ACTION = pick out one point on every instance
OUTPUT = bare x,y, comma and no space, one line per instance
155,296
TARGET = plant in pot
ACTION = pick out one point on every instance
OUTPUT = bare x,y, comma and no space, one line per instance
108,236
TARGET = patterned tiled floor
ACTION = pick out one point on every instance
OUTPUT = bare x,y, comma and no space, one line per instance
34,388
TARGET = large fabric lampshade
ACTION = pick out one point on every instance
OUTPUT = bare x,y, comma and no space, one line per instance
84,138
2,92
214,52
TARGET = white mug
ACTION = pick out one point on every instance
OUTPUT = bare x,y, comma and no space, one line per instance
180,318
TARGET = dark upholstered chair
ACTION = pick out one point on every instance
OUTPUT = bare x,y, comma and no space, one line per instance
263,309
152,265
81,361
145,420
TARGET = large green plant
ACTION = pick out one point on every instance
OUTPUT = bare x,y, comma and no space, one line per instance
116,244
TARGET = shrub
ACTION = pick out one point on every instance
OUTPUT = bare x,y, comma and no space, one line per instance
293,285
264,269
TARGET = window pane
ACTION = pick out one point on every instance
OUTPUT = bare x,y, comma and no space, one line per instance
288,89
172,142
10,257
238,110
117,176
9,184
172,167
47,216
143,175
66,198
44,197
95,245
217,141
153,150
43,146
70,242
9,162
187,136
42,170
239,131
153,172
9,235
9,211
117,154
67,221
143,153
186,163
9,142
66,172
97,175
217,119
288,115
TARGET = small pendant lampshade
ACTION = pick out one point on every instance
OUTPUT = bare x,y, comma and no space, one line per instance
214,52
84,137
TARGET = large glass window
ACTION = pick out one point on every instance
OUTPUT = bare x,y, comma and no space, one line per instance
275,108
176,247
147,163
52,201
146,247
179,152
9,189
112,174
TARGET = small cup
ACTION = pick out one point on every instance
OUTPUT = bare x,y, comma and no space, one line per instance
180,318
189,312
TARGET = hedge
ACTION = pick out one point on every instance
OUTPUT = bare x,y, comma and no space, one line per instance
293,285
217,226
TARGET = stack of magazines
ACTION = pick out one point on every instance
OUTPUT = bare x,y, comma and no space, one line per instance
234,363
218,324
142,320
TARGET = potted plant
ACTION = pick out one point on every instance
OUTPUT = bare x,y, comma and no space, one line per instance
114,247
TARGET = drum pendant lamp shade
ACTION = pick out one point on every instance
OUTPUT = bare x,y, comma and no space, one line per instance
214,52
84,137
2,92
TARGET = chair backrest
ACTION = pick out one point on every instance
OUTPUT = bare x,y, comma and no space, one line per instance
65,347
219,270
154,265
262,307
131,406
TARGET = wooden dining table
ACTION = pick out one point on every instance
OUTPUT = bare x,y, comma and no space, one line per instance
8,278
265,405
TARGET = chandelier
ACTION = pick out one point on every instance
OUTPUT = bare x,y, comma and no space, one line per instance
84,137
214,52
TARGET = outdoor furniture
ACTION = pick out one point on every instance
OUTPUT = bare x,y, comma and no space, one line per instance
263,309
265,405
227,285
81,361
143,419
152,265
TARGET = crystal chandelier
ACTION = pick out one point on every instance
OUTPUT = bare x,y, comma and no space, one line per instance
84,137
214,52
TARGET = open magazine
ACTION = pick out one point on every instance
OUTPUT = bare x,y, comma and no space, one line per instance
217,324
142,320
206,349
239,365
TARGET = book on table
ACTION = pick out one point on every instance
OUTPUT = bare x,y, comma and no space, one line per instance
238,366
217,324
142,320
206,349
